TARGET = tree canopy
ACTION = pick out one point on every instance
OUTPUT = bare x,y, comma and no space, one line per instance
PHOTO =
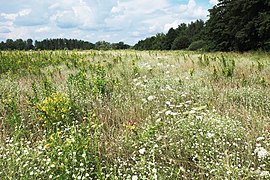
59,44
233,25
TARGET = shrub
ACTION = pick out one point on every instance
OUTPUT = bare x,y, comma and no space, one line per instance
197,45
181,42
54,110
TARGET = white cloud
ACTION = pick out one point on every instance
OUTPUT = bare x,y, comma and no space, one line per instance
213,2
171,25
13,16
43,29
24,12
4,30
192,11
93,20
10,17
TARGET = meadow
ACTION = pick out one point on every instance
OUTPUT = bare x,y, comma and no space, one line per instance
134,115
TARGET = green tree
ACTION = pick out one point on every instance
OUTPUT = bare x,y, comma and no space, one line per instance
181,42
102,45
10,45
29,44
239,25
170,37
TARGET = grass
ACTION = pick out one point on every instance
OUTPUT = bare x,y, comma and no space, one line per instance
134,115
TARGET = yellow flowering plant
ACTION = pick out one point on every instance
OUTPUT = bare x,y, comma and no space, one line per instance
54,109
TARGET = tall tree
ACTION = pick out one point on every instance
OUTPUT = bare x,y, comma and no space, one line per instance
29,44
10,44
239,25
170,37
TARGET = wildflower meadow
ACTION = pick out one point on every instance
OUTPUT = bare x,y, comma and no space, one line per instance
134,115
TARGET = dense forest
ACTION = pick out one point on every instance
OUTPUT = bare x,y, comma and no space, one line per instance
59,44
233,25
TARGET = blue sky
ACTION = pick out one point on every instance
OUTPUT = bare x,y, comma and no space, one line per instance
94,20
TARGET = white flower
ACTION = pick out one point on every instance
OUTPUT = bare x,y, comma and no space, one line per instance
174,113
83,155
81,164
261,152
158,120
151,98
82,169
182,169
192,111
134,177
265,174
210,134
168,103
260,139
154,170
144,100
50,176
169,88
168,112
25,151
258,145
142,151
52,165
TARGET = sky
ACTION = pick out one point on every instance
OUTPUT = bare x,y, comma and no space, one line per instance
96,20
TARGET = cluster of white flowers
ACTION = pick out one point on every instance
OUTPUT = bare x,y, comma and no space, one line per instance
151,98
169,112
265,174
260,139
260,151
142,151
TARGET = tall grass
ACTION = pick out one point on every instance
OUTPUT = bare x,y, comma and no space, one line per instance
134,115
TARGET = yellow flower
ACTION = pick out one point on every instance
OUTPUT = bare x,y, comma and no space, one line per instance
47,146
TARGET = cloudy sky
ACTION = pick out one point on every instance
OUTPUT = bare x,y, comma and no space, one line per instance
94,20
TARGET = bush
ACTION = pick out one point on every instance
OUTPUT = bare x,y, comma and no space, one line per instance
196,45
181,42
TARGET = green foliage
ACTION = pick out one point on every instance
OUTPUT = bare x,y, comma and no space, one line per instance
232,26
175,39
238,25
228,67
197,45
54,110
59,44
181,42
135,115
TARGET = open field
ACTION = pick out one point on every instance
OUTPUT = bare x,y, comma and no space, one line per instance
134,115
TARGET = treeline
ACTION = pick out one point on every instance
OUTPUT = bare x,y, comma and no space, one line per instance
233,25
175,39
59,44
